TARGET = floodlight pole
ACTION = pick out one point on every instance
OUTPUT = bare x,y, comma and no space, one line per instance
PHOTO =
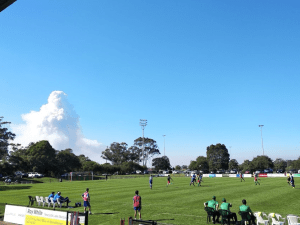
143,123
164,145
262,143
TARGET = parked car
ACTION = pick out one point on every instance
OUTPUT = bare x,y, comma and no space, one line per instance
31,174
280,171
293,171
39,175
220,171
21,174
257,171
227,171
146,172
138,172
65,175
247,171
175,172
166,172
233,171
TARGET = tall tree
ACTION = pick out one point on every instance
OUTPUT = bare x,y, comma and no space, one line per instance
5,137
280,164
41,157
233,164
246,165
217,156
117,153
161,163
261,162
151,148
67,161
202,163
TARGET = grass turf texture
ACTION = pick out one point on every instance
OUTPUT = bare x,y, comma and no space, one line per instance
179,203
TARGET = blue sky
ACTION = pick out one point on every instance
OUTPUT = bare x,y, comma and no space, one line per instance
200,72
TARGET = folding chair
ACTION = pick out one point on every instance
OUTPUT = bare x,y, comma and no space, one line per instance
260,219
53,203
42,200
59,203
31,200
47,200
245,218
38,201
224,214
210,212
292,220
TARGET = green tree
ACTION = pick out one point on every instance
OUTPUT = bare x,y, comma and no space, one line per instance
117,153
129,167
5,137
233,164
41,157
193,165
217,157
202,163
162,163
261,162
67,161
177,167
150,145
280,163
245,166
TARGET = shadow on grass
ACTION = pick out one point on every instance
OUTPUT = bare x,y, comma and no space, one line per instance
105,213
13,187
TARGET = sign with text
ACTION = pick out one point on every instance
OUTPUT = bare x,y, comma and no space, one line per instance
25,215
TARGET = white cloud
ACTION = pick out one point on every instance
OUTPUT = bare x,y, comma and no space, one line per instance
58,123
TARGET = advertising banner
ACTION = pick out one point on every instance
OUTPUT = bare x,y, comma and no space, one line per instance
262,175
32,216
212,175
218,175
14,214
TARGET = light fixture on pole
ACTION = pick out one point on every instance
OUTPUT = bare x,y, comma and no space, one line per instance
262,143
143,123
164,145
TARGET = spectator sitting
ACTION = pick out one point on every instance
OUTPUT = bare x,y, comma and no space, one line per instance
245,208
213,204
51,196
62,199
226,206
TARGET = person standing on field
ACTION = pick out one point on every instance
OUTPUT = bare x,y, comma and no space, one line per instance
86,201
137,204
169,180
241,176
150,181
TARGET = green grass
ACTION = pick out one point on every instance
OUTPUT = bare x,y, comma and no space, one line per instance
176,204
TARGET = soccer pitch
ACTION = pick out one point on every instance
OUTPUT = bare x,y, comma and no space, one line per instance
179,203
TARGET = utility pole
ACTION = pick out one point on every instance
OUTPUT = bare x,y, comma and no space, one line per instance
164,145
262,143
143,123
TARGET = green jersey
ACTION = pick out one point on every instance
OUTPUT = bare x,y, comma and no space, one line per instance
245,208
212,204
225,206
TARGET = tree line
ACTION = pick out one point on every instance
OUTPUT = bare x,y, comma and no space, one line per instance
218,158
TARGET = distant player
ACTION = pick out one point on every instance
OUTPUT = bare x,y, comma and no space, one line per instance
241,176
193,179
292,180
86,201
255,178
289,180
137,204
199,179
150,181
169,180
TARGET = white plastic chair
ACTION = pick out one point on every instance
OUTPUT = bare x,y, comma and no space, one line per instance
53,203
292,220
59,203
280,218
259,219
38,201
42,200
47,201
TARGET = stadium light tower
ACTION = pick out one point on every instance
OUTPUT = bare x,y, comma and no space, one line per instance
164,145
262,143
143,123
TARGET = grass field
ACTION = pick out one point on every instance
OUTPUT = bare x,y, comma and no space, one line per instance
177,204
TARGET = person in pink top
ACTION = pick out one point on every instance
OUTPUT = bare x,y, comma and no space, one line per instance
137,204
86,201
